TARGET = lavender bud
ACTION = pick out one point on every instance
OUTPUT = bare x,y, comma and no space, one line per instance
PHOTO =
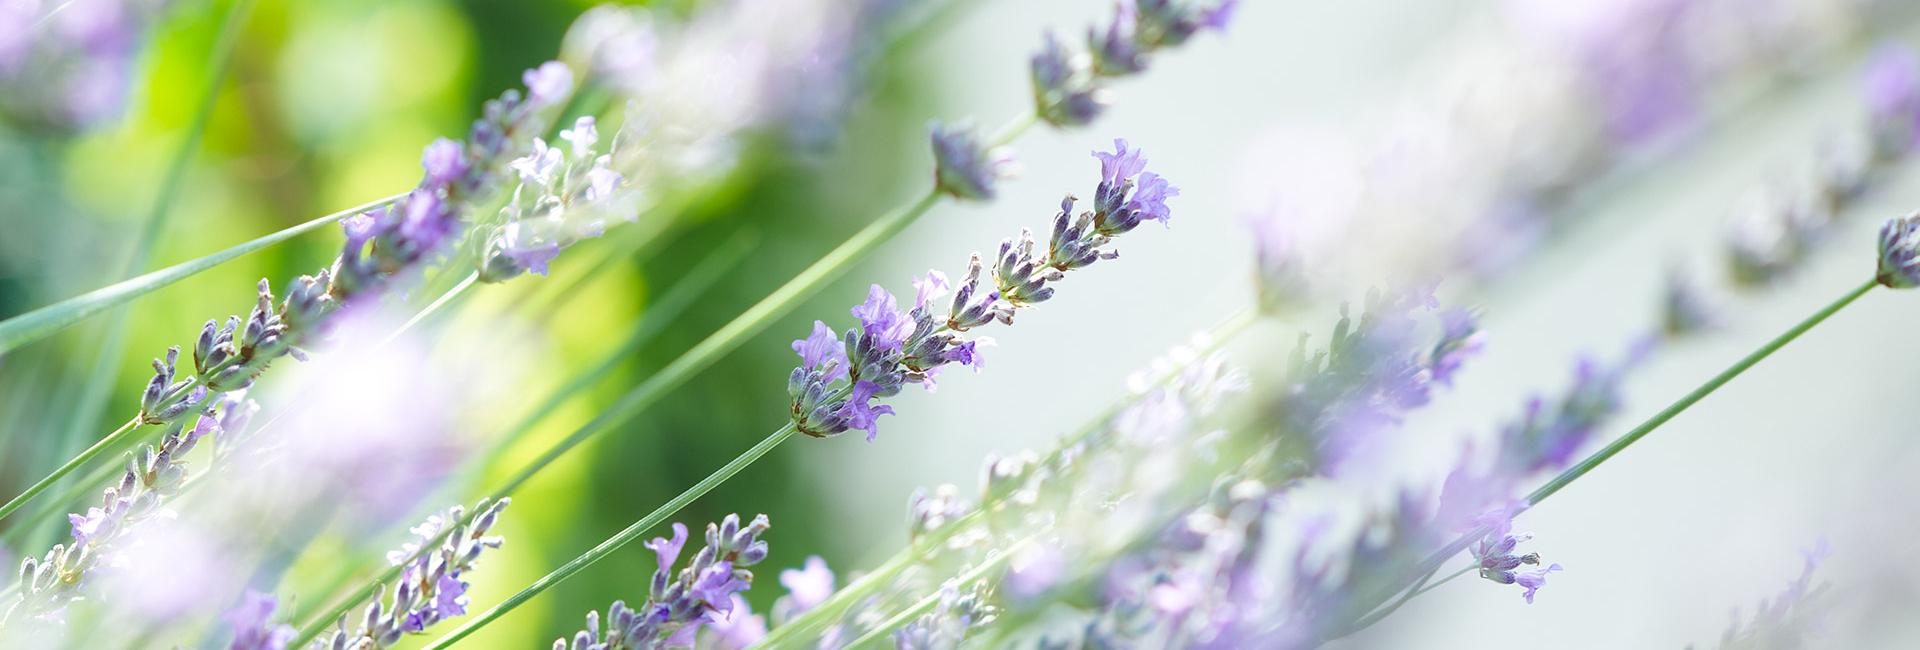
1900,253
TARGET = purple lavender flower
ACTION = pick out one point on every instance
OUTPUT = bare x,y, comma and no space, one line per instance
444,161
667,551
1892,90
822,351
881,319
252,624
1900,253
963,167
431,588
705,594
738,628
549,84
891,349
86,527
1460,339
807,587
861,413
1792,618
1533,580
1064,91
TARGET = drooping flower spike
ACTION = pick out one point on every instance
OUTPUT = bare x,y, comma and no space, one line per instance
1900,253
833,390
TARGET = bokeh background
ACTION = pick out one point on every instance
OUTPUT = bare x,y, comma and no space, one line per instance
329,104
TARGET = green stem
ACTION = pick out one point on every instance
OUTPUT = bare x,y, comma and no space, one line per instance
1418,588
39,323
41,486
632,532
1613,448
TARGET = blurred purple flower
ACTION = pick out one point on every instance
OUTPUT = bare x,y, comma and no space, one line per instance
252,624
808,586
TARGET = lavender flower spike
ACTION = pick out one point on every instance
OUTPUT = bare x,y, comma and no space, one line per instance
432,584
705,593
1900,253
963,167
1497,561
1068,86
892,348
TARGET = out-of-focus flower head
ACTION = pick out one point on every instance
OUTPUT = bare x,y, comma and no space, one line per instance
1900,253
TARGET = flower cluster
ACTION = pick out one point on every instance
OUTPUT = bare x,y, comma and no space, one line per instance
561,198
67,64
1790,618
1067,85
957,613
155,473
402,236
253,626
1495,560
963,166
1900,253
838,379
432,584
381,245
703,594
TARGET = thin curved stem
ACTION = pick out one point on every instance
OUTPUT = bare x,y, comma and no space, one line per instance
1418,588
632,532
1700,392
72,464
39,323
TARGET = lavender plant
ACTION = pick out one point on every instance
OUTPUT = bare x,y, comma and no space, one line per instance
892,349
704,594
154,474
432,585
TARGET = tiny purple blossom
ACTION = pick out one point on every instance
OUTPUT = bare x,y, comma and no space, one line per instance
548,84
668,551
929,287
359,228
1893,93
1900,253
967,354
526,251
602,181
808,586
1221,15
85,527
450,597
1151,197
881,319
738,628
444,162
1534,580
537,167
1121,164
860,411
252,629
582,136
717,585
820,348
